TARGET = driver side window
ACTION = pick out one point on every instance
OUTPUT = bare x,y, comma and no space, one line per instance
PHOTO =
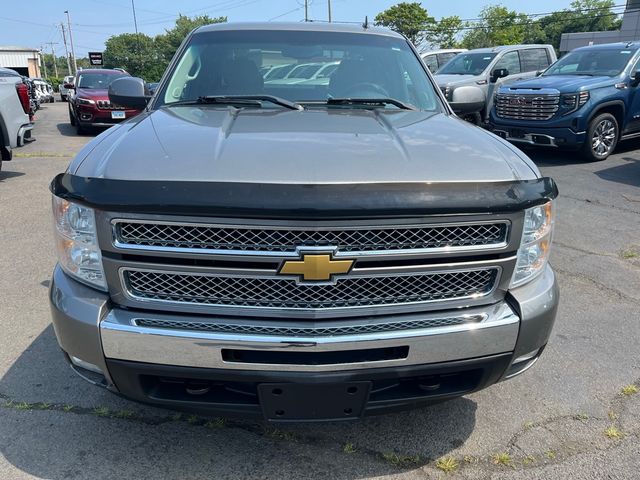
510,61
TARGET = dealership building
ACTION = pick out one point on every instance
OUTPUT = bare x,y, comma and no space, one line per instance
25,61
629,31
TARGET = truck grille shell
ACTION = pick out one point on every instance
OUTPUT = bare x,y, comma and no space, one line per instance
203,237
220,290
527,107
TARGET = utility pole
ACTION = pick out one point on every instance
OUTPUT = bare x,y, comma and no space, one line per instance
329,7
66,50
53,53
306,10
73,52
44,61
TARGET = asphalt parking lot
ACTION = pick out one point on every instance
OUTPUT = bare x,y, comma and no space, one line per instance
565,418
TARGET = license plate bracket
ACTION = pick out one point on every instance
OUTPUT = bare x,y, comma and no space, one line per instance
284,402
118,115
517,133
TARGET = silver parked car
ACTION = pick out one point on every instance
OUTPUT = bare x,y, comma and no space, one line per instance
299,252
470,79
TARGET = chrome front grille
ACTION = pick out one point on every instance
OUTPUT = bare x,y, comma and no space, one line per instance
228,290
315,331
224,238
527,107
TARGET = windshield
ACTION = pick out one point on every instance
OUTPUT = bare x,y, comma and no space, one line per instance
97,80
467,64
607,62
300,66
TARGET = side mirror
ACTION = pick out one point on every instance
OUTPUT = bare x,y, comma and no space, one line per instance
499,73
635,76
129,92
68,85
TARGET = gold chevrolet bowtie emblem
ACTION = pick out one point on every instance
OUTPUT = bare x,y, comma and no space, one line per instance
316,268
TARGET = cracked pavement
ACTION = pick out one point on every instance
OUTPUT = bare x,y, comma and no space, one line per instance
549,423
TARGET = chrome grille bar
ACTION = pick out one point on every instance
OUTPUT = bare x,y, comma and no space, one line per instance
315,331
527,107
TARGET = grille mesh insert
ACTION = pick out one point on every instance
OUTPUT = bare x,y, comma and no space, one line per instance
209,289
527,107
264,239
290,331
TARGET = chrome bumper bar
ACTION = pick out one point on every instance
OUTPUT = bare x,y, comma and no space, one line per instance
123,339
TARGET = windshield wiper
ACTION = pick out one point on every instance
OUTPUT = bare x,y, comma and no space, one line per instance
371,101
249,100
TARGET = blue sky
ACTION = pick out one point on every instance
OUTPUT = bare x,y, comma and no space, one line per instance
93,21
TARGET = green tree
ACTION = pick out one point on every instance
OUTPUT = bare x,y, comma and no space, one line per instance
136,53
444,33
169,42
583,16
497,25
409,19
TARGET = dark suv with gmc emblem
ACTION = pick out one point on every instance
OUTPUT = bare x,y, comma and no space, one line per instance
89,104
299,251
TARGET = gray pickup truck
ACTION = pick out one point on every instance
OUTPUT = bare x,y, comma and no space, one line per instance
470,80
15,118
299,251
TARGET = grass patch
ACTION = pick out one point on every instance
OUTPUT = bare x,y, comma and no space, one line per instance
67,408
401,461
193,419
583,417
43,406
613,433
101,411
23,406
503,458
613,416
349,448
550,454
279,434
176,417
447,464
528,460
218,422
124,414
528,425
629,254
629,390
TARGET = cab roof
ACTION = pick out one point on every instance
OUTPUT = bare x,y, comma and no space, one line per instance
299,26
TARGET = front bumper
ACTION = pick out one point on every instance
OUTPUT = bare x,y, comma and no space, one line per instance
135,361
540,136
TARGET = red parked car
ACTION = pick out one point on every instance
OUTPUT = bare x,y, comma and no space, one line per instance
89,104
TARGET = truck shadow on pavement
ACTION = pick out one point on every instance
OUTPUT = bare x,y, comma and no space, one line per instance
7,174
67,130
54,425
628,173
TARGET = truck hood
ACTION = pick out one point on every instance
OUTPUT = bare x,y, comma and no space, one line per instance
561,83
93,93
202,143
449,80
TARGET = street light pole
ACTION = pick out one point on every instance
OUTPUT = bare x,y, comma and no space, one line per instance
73,52
306,10
329,7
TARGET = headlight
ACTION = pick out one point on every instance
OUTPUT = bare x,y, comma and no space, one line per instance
535,245
573,101
77,242
85,101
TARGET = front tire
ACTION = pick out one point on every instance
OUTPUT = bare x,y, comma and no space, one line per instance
72,119
602,137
